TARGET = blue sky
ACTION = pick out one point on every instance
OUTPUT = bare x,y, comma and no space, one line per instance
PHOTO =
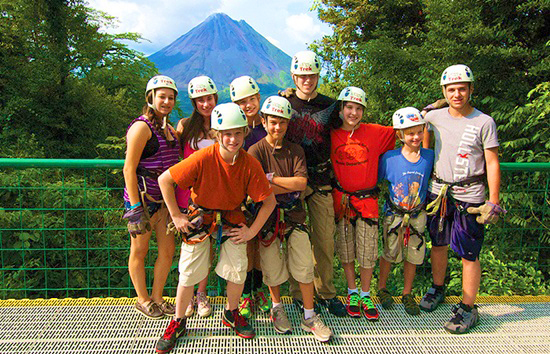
289,24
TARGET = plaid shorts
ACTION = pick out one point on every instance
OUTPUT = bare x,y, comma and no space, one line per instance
359,241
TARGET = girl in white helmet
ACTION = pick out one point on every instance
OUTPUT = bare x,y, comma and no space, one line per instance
152,147
407,169
195,135
245,92
355,150
466,146
220,177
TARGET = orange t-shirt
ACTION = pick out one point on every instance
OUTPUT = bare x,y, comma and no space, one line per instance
217,185
355,163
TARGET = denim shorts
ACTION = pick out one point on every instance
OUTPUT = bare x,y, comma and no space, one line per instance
460,229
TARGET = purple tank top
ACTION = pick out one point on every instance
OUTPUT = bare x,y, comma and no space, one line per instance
164,158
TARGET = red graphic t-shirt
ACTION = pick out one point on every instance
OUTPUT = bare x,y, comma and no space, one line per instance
355,163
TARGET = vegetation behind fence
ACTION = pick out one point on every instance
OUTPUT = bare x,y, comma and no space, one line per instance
62,235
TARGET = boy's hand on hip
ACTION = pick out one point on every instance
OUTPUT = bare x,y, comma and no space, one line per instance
241,234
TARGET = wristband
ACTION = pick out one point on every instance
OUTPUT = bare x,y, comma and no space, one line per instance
135,205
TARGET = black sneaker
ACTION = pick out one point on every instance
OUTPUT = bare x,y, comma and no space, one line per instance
334,306
168,340
432,299
236,321
462,321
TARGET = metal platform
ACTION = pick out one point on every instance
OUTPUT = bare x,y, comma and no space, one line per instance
508,325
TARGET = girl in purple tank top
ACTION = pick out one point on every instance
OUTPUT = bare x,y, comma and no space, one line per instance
195,135
152,147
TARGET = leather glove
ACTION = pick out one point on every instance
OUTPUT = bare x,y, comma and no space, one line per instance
138,222
488,212
289,91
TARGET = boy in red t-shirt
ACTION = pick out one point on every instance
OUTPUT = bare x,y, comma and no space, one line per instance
220,176
355,149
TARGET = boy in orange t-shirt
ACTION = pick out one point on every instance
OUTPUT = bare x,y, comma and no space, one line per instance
355,149
221,176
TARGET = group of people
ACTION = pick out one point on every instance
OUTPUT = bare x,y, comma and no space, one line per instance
272,192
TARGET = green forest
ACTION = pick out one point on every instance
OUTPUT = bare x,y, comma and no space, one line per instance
68,91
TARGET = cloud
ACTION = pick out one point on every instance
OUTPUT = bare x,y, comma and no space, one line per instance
302,28
273,41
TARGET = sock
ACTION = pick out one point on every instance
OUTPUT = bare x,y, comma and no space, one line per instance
248,283
275,304
308,313
351,291
258,277
439,288
179,319
365,293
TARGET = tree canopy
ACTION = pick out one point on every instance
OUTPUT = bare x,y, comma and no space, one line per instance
65,85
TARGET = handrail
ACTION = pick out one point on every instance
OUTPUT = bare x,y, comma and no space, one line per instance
81,163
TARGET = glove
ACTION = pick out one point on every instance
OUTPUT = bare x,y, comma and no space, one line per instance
138,222
488,212
289,91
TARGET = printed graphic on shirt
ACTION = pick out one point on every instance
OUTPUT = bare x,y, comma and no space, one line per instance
463,155
351,154
406,190
309,129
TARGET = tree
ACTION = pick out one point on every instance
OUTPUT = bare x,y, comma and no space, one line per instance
63,80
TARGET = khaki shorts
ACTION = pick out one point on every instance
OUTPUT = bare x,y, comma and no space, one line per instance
357,242
194,262
297,259
394,248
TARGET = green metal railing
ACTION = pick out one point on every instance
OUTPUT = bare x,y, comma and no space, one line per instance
61,232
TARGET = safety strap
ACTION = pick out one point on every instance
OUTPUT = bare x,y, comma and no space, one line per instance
213,221
360,194
280,226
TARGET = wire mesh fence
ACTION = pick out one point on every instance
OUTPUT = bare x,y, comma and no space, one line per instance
62,235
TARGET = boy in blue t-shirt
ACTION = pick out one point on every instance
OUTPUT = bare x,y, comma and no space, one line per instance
407,170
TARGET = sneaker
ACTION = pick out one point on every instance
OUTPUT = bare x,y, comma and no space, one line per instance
236,321
190,310
280,320
369,310
316,326
410,305
245,307
352,305
150,309
168,340
386,300
432,299
167,308
334,306
462,321
203,305
263,304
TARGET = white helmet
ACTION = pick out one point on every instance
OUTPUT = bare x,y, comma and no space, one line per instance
242,87
277,106
227,116
456,73
407,117
353,94
305,63
201,86
160,81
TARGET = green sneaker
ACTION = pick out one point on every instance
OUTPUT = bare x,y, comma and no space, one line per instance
369,310
386,300
245,307
410,305
263,304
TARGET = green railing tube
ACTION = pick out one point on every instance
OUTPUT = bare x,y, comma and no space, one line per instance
81,163
60,163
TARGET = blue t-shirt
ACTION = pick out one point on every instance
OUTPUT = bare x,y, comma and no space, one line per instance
408,180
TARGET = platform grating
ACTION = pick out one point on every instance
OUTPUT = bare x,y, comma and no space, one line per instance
508,325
